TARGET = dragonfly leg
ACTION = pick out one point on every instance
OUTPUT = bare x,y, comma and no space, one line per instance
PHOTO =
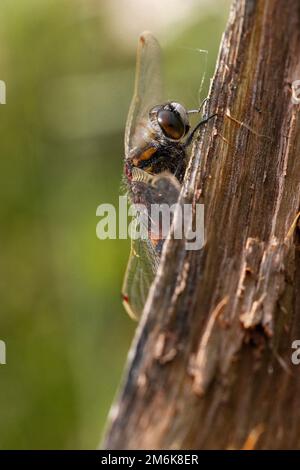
201,123
197,111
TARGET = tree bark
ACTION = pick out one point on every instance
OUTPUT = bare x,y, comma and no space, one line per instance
211,365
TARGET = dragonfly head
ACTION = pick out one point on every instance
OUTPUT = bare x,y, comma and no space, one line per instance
170,119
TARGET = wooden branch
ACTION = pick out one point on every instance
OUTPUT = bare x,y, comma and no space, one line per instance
211,366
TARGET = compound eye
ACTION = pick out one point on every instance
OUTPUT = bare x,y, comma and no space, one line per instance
171,124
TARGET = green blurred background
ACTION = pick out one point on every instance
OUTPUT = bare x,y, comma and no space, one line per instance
69,71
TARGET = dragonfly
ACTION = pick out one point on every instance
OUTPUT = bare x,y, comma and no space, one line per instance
157,136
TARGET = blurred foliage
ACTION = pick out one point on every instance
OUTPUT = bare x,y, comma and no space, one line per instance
61,139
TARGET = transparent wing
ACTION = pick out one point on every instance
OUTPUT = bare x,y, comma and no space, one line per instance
141,269
145,253
148,90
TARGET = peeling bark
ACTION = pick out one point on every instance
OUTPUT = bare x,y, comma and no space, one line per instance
211,366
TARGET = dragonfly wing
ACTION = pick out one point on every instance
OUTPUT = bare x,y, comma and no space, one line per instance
145,253
148,89
141,269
